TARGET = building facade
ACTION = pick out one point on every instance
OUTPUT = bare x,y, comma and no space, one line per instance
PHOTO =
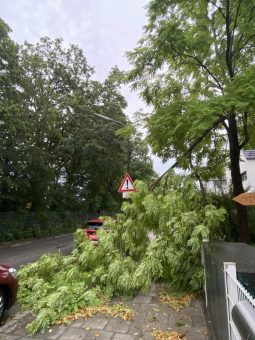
247,167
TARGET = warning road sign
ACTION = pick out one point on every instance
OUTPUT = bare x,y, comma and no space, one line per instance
127,184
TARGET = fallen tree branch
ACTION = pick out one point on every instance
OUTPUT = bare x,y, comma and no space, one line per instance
190,149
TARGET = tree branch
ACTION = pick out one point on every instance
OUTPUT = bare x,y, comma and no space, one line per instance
219,9
236,17
245,130
190,149
197,176
217,54
214,36
229,42
244,44
225,126
199,63
241,36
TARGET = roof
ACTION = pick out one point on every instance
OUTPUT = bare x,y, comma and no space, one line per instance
249,154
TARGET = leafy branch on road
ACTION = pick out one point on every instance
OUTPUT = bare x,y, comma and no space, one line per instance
125,261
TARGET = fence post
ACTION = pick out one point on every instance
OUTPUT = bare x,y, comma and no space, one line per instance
231,296
203,263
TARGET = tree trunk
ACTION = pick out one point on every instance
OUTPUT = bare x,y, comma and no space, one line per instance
244,234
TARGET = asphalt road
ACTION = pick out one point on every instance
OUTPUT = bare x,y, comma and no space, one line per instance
19,253
16,254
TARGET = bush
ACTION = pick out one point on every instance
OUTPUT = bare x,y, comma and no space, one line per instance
228,229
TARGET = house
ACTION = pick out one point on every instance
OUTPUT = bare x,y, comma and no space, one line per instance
247,167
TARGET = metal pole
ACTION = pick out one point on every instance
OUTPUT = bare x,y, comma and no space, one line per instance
128,141
108,118
231,296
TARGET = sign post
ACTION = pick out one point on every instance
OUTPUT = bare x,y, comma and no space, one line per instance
246,199
126,186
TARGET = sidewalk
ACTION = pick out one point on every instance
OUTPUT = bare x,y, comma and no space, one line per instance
150,315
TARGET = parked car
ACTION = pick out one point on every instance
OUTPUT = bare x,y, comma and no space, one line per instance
8,288
91,229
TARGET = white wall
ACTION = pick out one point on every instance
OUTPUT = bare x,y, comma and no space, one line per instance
248,165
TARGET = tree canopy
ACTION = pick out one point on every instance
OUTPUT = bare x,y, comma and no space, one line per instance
194,65
56,154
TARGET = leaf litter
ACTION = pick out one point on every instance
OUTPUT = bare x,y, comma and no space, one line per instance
118,310
177,301
161,335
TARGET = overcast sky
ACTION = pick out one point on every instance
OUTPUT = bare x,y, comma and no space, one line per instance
104,29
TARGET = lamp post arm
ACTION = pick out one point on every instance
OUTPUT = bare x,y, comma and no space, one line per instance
129,152
111,119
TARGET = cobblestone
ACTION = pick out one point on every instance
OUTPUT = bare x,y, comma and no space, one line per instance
150,315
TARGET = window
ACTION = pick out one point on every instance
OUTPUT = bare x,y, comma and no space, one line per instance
244,176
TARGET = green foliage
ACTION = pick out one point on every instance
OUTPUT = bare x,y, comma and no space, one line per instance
25,225
54,152
126,260
228,228
194,66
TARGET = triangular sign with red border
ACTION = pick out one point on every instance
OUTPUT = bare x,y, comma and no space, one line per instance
127,184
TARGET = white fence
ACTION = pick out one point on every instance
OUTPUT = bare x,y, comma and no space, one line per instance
235,292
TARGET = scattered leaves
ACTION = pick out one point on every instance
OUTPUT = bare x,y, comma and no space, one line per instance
177,302
160,335
119,310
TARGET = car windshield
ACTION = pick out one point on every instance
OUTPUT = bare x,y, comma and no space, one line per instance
94,225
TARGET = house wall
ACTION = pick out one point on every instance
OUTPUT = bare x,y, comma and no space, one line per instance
217,186
248,166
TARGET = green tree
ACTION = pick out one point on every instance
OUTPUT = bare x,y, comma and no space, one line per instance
141,166
12,124
187,66
53,82
72,153
138,163
55,153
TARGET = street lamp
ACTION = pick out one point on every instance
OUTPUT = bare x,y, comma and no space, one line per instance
108,118
128,141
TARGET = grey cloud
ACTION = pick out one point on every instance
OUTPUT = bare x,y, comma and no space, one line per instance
105,29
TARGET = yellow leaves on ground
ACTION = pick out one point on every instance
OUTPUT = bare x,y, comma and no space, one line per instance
160,335
177,302
119,310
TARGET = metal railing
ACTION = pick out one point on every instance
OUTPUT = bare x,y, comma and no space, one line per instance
235,292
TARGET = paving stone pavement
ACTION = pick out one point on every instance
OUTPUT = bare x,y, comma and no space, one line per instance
150,315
